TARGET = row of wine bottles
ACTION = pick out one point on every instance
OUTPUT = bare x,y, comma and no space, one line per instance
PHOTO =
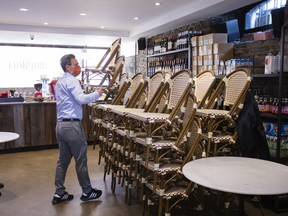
171,64
171,42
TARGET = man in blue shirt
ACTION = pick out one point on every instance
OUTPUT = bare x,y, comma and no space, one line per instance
69,131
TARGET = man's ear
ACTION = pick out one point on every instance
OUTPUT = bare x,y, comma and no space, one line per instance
67,67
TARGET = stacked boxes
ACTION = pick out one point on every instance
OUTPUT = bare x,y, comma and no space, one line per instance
271,130
208,50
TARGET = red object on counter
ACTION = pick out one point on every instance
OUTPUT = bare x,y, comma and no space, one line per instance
37,95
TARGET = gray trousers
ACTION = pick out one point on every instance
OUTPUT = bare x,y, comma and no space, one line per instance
72,143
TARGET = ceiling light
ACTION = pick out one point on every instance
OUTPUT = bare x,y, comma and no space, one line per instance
82,14
136,18
102,27
45,23
23,9
157,3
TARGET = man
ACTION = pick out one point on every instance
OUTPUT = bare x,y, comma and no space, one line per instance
69,131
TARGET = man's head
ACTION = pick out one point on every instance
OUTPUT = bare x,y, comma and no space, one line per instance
69,64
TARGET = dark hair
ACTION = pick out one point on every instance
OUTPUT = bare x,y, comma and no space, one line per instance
66,60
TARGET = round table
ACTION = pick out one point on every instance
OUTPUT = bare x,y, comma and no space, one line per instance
239,175
8,136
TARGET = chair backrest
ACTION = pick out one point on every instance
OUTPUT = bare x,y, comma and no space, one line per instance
117,71
123,87
110,56
203,84
177,85
155,82
172,91
137,87
236,85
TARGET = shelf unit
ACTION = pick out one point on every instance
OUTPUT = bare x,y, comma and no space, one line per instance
279,119
280,91
178,52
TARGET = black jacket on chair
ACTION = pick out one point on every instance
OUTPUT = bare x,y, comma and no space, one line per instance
250,130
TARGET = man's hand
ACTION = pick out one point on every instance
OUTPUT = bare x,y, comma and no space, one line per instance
100,91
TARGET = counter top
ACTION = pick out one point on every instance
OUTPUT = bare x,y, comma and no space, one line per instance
32,102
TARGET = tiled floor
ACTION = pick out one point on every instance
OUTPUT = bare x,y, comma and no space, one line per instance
29,187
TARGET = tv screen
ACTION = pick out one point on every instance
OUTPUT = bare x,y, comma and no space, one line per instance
233,30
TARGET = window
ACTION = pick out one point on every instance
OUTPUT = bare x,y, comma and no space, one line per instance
261,14
24,66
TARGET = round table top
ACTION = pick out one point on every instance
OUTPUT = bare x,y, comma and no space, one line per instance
239,175
8,136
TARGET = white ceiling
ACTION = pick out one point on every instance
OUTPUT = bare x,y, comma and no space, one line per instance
116,16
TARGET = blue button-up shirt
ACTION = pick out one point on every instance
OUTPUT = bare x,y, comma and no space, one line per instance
70,97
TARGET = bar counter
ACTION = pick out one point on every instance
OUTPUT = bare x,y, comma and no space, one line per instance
35,122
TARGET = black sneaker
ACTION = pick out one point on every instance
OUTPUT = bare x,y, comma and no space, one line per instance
94,194
61,198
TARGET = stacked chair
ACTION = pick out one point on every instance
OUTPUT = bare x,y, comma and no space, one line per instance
218,125
163,150
128,158
217,132
149,133
115,115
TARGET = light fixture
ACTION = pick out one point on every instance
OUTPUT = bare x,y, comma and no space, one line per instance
102,27
157,4
45,23
24,9
83,14
136,18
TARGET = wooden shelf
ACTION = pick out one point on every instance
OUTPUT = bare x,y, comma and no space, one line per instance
268,75
168,53
274,116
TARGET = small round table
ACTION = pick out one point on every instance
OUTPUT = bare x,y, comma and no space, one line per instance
239,175
7,137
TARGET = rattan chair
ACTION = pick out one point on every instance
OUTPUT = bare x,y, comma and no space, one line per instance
119,139
114,84
218,126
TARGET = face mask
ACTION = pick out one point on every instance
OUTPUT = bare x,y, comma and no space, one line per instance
77,70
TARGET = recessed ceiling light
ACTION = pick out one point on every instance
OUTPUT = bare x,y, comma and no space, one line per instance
82,14
45,23
24,9
102,27
157,3
136,18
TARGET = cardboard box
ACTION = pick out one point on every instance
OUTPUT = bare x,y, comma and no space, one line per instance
200,40
194,70
263,35
215,38
195,61
222,48
195,51
216,69
194,41
200,51
208,60
208,49
222,56
200,60
201,68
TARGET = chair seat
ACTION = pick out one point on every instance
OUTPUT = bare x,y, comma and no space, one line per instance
156,144
148,117
177,191
162,167
211,113
107,107
219,137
